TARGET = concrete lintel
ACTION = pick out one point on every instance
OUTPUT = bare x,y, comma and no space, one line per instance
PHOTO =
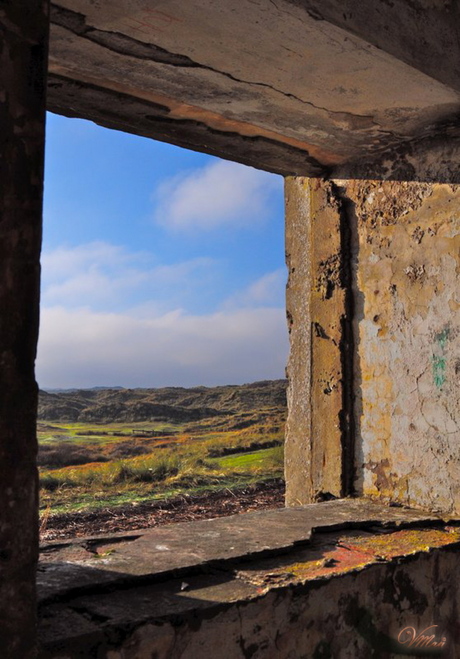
333,83
189,127
424,35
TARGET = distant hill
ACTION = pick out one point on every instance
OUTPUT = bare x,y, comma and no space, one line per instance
169,404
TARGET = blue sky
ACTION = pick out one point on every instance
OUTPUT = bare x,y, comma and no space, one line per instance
160,266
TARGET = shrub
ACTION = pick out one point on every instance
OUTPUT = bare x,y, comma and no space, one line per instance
50,483
148,471
67,454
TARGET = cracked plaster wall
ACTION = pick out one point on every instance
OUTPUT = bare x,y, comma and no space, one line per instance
407,361
373,304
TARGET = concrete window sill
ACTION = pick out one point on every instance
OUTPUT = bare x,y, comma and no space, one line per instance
95,589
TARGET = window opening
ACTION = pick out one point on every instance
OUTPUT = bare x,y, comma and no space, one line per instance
163,283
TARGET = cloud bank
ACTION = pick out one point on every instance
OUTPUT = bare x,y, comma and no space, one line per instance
220,194
83,348
118,318
107,277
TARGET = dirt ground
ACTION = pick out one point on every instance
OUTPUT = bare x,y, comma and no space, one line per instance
180,509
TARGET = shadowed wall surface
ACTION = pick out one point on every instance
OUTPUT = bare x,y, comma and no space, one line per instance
23,35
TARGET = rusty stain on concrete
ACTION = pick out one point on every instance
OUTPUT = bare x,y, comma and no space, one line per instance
351,552
180,111
168,549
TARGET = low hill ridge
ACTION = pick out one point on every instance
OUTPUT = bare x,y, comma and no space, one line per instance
167,404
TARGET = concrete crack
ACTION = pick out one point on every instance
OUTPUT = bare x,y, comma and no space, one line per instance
124,45
275,5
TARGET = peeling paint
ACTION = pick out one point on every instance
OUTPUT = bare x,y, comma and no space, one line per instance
407,264
439,357
439,371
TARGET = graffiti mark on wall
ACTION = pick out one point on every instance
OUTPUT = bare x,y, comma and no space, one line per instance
439,357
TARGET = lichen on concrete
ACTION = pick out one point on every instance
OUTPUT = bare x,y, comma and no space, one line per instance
348,593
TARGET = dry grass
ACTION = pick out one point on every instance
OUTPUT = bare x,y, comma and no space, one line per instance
120,470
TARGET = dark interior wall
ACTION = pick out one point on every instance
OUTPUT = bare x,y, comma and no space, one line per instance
23,55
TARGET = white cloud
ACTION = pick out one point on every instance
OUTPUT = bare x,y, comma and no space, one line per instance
114,317
70,260
83,348
104,276
222,193
267,291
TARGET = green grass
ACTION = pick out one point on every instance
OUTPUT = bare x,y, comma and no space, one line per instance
190,462
245,460
97,433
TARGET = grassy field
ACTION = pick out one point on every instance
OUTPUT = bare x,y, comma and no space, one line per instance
85,466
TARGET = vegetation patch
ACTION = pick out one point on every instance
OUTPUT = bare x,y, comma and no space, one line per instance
86,465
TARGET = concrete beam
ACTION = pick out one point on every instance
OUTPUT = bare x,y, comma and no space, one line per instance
292,87
189,127
424,35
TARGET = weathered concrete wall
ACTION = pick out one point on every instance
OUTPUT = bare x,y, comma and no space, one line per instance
354,617
297,454
407,362
275,609
23,53
373,306
319,430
